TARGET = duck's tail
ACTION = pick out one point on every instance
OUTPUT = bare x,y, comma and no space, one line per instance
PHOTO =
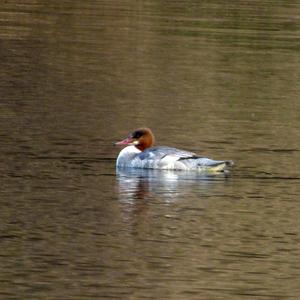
219,166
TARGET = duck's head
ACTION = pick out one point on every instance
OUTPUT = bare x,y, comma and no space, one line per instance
141,138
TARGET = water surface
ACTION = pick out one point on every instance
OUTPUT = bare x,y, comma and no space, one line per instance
220,79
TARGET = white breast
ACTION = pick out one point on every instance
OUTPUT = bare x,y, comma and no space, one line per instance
126,156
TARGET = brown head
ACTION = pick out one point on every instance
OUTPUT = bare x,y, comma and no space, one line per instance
141,138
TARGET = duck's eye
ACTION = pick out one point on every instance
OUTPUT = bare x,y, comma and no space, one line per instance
137,134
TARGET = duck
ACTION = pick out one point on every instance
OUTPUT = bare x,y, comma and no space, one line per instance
140,152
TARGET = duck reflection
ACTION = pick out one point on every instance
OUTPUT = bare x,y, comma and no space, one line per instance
137,184
144,190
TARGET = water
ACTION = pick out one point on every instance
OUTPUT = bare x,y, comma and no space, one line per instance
220,79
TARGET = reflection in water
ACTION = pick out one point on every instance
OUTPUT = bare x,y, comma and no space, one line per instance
137,186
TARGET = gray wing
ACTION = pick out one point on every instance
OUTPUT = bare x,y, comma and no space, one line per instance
161,152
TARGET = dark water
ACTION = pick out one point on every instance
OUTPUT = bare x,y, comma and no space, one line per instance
218,78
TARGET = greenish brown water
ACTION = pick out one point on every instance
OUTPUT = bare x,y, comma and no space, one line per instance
220,79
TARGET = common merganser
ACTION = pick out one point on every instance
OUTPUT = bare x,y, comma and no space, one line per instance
140,153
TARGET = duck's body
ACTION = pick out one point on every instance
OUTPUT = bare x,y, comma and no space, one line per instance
141,154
